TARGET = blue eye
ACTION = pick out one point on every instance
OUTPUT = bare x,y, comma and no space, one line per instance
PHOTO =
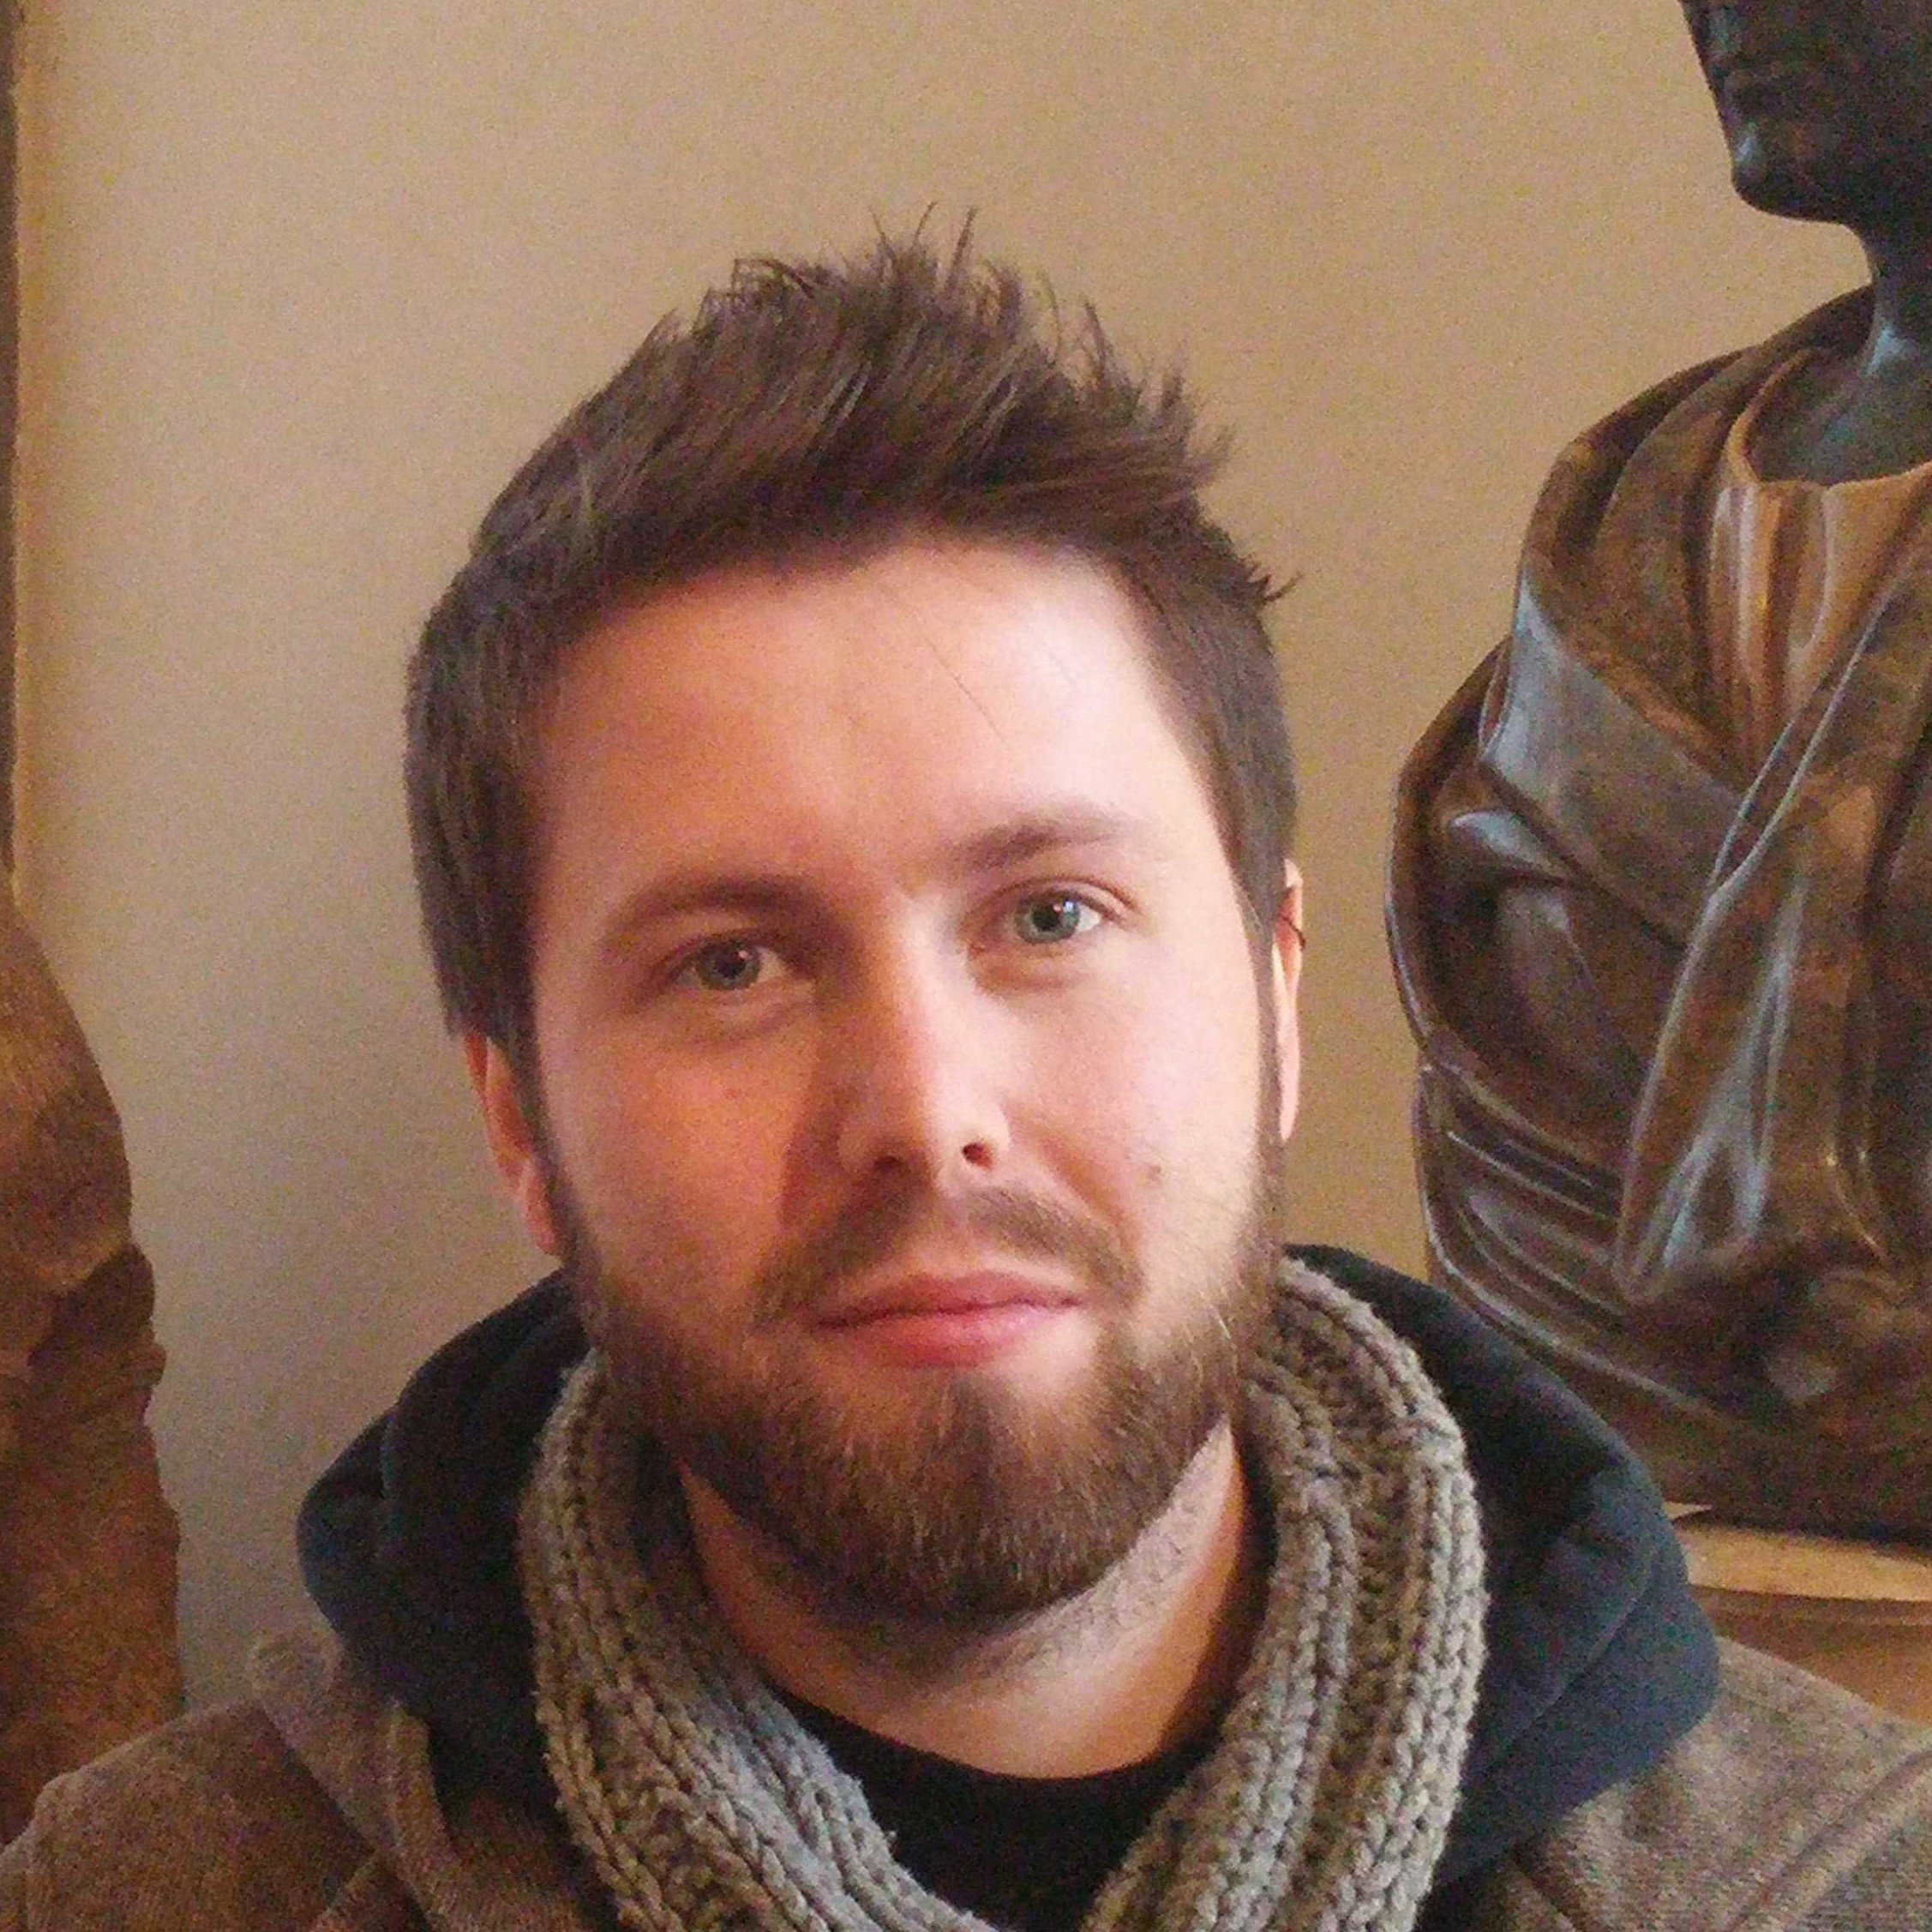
727,966
1061,916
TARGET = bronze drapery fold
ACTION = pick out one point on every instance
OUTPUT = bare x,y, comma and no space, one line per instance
1674,1121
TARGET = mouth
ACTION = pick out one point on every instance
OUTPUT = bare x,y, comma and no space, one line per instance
1750,82
949,1320
1787,68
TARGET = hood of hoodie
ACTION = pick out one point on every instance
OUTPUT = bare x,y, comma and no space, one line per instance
1598,1658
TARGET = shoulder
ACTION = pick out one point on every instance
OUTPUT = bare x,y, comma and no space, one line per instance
211,1821
1793,1805
1728,381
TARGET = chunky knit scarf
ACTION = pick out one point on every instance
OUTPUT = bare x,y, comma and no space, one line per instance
699,1800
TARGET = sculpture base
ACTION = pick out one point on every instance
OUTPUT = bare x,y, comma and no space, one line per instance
1858,1613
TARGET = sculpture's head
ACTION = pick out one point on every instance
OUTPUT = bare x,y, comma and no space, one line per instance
1826,106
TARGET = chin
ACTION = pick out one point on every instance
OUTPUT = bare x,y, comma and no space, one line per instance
1772,184
1784,168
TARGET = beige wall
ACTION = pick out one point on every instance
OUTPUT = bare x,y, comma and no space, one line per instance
303,281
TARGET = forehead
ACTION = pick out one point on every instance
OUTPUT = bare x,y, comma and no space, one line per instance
757,710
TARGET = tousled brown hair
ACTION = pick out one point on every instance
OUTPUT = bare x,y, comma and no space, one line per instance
808,411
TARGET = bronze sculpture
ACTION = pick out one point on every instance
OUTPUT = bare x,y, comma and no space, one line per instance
1661,899
86,1539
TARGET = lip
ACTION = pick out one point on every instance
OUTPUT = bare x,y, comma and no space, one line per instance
949,1320
1760,73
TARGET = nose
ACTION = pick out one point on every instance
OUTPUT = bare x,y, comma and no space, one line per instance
1717,28
916,1075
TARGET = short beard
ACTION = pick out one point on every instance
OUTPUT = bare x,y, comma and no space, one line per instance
968,1510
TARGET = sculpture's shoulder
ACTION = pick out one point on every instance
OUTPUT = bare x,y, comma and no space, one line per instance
1729,382
1793,1807
211,1821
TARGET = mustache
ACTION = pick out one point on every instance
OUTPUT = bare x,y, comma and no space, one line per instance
810,1272
1729,37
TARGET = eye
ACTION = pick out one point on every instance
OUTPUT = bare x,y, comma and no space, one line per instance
727,966
1053,917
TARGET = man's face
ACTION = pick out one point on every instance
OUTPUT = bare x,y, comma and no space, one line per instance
908,1126
1826,105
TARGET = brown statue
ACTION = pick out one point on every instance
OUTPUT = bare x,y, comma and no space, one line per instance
1661,903
87,1541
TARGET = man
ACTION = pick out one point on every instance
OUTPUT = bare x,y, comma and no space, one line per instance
850,801
1663,885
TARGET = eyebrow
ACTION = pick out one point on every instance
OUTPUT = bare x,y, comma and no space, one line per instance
765,894
1071,828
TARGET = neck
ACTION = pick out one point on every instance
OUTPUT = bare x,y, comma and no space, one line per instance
1901,269
1870,416
1144,1659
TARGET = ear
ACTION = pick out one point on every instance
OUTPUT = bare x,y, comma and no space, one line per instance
1287,964
512,1145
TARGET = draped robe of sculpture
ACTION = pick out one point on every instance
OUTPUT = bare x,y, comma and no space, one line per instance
1674,1118
88,1655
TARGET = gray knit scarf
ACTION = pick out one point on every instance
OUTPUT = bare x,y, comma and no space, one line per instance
699,1800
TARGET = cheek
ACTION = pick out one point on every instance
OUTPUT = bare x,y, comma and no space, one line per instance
659,1160
1167,1089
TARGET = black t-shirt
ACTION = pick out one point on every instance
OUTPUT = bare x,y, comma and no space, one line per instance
1026,1854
